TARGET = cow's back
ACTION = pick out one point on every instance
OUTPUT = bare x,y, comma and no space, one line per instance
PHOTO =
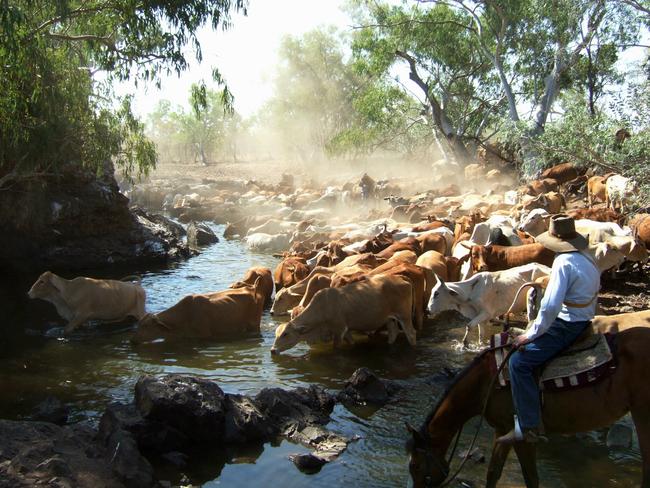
104,299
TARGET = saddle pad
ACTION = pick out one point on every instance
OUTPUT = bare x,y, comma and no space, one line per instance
581,364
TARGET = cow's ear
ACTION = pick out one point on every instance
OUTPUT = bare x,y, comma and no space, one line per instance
54,280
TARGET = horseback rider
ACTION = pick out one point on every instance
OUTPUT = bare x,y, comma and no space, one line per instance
566,311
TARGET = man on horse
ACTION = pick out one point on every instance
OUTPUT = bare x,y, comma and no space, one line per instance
566,311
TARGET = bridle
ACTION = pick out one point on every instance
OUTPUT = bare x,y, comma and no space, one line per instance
430,459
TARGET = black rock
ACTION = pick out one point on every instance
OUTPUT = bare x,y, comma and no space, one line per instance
301,406
51,410
176,458
307,463
199,235
365,387
244,422
194,406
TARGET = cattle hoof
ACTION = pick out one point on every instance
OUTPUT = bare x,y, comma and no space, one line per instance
274,352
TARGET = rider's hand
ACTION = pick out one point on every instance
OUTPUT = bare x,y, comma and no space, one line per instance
520,340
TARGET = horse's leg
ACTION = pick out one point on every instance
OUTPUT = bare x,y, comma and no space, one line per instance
498,458
527,455
642,423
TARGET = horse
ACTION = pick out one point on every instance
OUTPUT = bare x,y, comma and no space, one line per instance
564,412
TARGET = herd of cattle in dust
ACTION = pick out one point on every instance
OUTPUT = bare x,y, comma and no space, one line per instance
389,269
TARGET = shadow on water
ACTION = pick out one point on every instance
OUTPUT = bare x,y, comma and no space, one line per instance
98,365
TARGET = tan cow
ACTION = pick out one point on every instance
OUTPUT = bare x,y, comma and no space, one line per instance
266,283
221,315
82,299
364,306
597,188
621,321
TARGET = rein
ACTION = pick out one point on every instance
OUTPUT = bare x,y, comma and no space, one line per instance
480,424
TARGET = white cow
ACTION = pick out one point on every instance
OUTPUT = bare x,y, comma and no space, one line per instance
268,242
619,190
485,295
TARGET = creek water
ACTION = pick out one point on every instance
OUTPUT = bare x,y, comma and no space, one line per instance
98,365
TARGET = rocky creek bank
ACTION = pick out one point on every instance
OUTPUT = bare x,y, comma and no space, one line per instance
170,418
78,219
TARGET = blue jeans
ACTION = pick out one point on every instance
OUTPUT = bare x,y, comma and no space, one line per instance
524,363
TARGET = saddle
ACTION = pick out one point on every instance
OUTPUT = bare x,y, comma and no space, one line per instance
589,359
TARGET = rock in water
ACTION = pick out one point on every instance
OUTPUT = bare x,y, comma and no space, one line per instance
194,406
365,387
51,410
307,463
619,436
199,235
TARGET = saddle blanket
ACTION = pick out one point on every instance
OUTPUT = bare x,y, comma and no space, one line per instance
580,365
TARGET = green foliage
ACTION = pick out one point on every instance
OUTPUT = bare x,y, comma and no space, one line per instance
53,112
445,55
589,140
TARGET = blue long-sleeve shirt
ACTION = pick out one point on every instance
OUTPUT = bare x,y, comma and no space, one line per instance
574,279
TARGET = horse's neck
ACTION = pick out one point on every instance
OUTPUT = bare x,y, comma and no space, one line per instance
464,401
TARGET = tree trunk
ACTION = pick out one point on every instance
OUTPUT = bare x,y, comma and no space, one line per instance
440,119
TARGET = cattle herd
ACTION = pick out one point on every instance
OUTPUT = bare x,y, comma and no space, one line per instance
365,258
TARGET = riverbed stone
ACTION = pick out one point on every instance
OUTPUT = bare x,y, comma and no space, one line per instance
51,410
244,422
308,463
619,436
365,387
199,235
194,406
41,453
286,409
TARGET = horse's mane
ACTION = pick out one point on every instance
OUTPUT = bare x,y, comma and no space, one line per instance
423,429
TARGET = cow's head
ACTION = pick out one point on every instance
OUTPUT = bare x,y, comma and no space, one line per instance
285,300
442,298
478,259
45,287
535,222
150,327
287,336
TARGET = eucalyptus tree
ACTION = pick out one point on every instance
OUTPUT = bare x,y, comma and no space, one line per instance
53,108
459,89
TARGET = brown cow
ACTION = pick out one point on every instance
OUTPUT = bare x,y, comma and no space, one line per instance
221,315
408,243
365,306
562,173
537,187
290,271
640,223
378,243
82,299
597,214
597,188
497,258
266,283
423,227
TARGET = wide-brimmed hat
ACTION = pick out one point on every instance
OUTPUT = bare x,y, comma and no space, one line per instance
562,236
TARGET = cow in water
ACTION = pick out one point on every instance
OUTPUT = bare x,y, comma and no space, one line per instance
82,299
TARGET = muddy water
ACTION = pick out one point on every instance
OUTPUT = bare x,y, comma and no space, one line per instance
99,365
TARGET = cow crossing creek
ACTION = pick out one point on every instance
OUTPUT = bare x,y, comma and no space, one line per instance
97,364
